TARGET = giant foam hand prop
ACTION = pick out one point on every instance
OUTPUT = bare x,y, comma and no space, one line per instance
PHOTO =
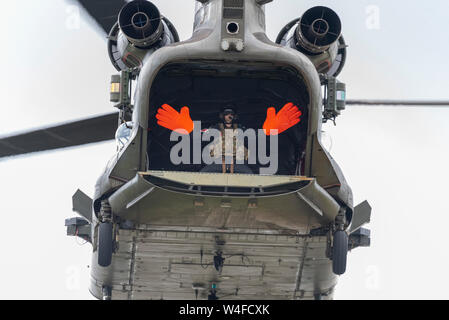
179,122
286,118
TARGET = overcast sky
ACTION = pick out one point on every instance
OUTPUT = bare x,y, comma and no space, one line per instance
55,70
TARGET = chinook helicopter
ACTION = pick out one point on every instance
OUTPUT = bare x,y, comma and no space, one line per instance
160,231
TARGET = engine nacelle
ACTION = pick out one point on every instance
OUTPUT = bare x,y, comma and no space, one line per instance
318,35
140,30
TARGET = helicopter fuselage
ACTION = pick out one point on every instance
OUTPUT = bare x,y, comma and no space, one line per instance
178,232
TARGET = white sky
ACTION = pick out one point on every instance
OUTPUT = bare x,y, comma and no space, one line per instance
395,158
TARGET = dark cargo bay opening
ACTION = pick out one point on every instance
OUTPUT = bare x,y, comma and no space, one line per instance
207,87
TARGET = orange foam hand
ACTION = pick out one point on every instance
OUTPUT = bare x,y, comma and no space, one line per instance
286,118
171,119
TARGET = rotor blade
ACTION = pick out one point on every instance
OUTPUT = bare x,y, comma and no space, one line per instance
104,12
95,129
410,103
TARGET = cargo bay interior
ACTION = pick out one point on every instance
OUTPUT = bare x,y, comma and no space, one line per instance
207,87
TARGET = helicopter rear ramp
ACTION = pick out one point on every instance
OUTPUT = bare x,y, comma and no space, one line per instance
217,200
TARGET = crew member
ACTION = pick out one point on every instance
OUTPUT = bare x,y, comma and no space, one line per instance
226,150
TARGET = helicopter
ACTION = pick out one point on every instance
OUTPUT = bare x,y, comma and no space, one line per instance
127,238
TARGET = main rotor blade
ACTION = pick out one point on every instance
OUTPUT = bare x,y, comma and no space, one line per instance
410,103
95,129
104,12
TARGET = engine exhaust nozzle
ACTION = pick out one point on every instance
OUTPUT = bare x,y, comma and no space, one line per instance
318,29
140,21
